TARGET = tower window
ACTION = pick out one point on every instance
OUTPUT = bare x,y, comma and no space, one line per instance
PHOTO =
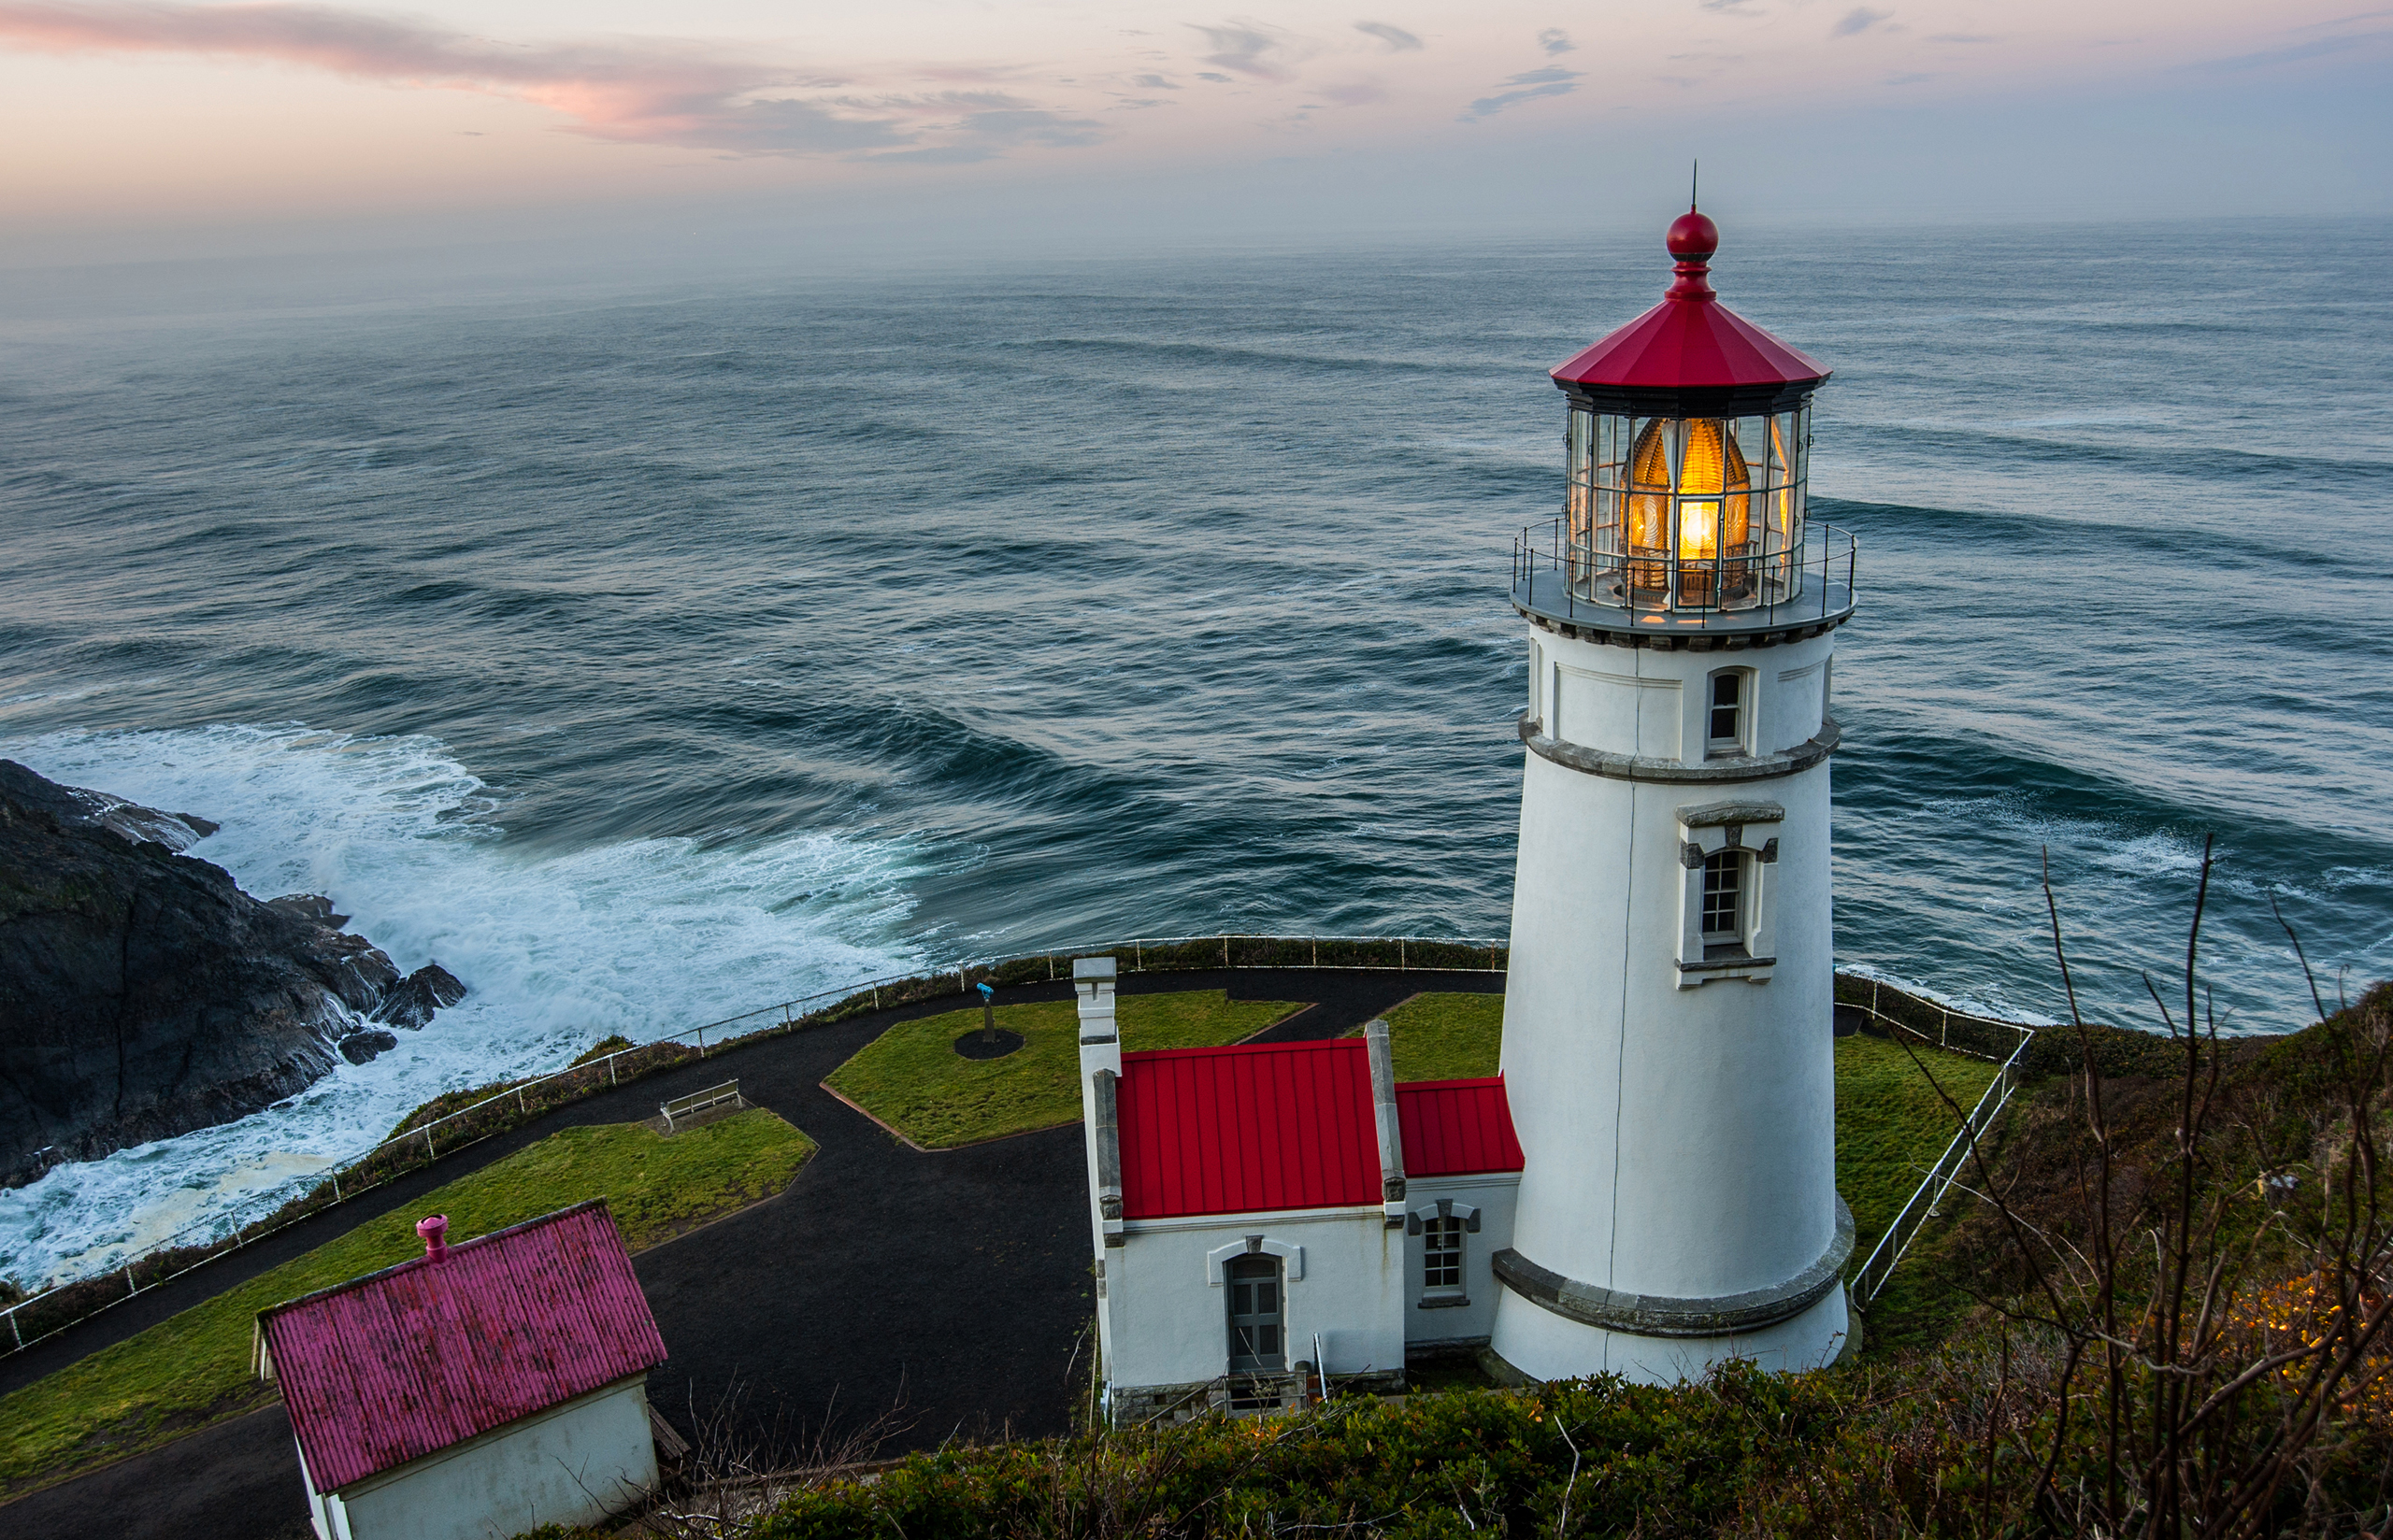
1725,730
1441,1257
1723,904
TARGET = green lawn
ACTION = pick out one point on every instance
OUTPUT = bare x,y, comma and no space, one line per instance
912,1077
1890,1126
1446,1036
193,1369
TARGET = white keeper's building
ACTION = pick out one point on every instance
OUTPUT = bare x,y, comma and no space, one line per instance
1648,1186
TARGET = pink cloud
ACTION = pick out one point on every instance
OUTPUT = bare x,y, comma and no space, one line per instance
654,92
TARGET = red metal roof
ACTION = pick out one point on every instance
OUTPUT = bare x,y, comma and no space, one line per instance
1452,1127
387,1368
1690,341
1253,1127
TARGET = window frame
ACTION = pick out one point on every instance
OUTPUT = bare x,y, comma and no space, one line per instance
1746,831
1739,741
1722,943
1444,1227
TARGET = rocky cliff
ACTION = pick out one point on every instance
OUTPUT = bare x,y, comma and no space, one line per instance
143,994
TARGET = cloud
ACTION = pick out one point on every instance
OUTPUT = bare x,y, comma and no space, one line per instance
1555,42
1397,39
1155,82
986,135
1730,7
1860,18
649,92
2317,49
1526,87
1243,50
1911,80
1218,79
1962,37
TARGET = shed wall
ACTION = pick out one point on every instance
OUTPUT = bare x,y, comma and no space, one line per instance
576,1464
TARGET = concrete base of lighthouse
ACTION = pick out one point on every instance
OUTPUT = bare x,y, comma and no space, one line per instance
1535,1344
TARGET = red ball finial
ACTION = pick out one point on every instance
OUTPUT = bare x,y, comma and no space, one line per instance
1693,235
1692,241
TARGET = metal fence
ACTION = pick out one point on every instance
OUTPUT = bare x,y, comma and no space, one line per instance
516,1103
1926,1200
511,1105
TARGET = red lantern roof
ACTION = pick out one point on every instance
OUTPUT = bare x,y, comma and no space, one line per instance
1691,354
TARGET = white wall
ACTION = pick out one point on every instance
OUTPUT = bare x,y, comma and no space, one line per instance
575,1463
1170,1314
1678,1141
1446,1321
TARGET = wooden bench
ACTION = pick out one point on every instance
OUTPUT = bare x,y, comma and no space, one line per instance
725,1094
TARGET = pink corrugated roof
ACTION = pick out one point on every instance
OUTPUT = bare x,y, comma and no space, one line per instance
1452,1127
390,1367
1243,1129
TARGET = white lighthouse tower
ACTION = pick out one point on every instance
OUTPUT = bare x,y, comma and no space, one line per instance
1668,1021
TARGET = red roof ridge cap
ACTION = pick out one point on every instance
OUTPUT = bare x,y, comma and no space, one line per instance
419,1260
1218,1050
1449,1085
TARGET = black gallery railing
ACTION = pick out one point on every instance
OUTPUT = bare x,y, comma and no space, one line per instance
1568,576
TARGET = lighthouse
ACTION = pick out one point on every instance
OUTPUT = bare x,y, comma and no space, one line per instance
1667,1050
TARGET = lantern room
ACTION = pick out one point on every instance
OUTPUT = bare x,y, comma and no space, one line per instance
1688,441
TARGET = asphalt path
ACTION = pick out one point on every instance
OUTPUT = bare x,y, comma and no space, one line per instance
887,1296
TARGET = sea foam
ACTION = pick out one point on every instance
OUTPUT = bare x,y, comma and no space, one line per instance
641,937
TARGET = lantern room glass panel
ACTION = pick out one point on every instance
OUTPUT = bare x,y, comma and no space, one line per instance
1685,513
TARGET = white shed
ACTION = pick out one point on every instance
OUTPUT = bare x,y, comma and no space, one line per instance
479,1389
1270,1212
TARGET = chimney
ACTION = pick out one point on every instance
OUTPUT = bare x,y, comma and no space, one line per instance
434,1228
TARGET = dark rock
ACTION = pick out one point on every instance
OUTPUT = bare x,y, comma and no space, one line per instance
358,1048
315,908
142,993
355,969
129,822
411,1002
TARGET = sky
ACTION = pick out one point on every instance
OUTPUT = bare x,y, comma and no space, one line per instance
140,129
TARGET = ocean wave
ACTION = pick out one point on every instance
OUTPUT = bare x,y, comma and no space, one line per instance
559,950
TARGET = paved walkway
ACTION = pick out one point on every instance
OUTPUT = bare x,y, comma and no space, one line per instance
947,1291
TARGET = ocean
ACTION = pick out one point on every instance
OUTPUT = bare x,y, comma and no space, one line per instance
650,650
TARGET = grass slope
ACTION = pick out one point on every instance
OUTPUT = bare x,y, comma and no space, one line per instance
1891,1124
1446,1036
912,1077
193,1369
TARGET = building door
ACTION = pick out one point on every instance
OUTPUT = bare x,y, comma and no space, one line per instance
1258,1318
